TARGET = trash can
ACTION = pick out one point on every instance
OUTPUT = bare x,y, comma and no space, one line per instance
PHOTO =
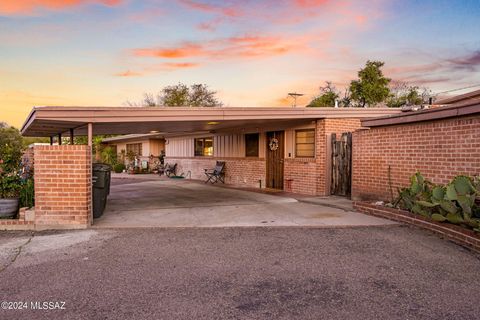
101,174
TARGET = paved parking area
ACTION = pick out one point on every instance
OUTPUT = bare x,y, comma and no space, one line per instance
381,272
152,202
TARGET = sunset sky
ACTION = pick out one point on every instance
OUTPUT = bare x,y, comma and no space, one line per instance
105,52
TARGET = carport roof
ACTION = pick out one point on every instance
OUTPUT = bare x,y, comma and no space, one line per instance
51,121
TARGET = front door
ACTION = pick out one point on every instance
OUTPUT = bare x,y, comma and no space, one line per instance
275,154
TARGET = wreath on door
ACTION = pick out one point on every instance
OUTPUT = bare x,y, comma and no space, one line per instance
273,145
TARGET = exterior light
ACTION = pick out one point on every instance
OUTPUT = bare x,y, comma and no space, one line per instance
212,123
154,131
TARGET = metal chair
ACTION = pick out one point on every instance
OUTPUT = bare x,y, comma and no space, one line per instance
170,170
216,174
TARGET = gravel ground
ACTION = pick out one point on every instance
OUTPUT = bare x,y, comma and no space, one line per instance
391,272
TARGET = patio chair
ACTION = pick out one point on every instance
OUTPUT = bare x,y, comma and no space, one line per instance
170,170
216,174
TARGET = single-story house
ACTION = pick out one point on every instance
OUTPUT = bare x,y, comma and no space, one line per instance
302,150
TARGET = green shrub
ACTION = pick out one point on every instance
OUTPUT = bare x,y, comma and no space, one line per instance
11,149
109,155
27,193
458,202
118,168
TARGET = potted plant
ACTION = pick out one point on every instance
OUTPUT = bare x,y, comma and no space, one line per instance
11,149
131,156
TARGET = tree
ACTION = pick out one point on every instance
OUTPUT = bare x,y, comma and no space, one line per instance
346,101
175,96
404,94
200,96
328,96
149,100
181,95
371,87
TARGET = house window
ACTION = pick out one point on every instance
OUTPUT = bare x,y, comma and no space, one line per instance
251,145
305,143
136,148
204,147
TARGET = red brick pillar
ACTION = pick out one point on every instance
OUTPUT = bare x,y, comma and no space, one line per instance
321,158
63,187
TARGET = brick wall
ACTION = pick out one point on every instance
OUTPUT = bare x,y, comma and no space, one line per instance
439,149
300,176
238,171
63,186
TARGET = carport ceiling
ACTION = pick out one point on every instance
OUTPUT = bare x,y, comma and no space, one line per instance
51,121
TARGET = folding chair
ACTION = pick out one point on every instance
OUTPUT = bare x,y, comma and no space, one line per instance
216,174
170,170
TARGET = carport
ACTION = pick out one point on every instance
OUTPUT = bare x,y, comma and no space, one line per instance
63,172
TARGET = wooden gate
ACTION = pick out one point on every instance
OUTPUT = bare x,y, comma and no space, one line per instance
341,183
275,154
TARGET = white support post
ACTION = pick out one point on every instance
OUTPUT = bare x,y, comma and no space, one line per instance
90,134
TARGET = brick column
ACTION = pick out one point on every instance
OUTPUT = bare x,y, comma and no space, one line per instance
63,187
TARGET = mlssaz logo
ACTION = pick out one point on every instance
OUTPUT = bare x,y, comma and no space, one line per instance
47,305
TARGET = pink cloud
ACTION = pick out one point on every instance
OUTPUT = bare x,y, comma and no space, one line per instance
225,10
229,48
210,25
128,73
184,50
309,3
271,11
25,7
167,66
179,65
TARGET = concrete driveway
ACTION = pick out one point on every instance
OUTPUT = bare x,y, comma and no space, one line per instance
147,201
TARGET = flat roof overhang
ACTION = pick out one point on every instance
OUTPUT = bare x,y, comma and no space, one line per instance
455,110
51,121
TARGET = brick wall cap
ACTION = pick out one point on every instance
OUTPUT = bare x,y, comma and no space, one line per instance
454,110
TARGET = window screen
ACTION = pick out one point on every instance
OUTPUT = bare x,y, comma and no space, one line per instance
305,143
135,148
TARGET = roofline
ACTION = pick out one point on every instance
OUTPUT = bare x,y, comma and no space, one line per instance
80,116
459,98
455,110
29,119
128,137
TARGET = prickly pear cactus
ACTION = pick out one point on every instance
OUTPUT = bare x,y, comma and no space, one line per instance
457,202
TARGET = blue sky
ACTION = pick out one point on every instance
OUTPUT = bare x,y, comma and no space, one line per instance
105,52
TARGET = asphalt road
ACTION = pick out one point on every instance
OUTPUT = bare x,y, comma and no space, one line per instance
389,272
